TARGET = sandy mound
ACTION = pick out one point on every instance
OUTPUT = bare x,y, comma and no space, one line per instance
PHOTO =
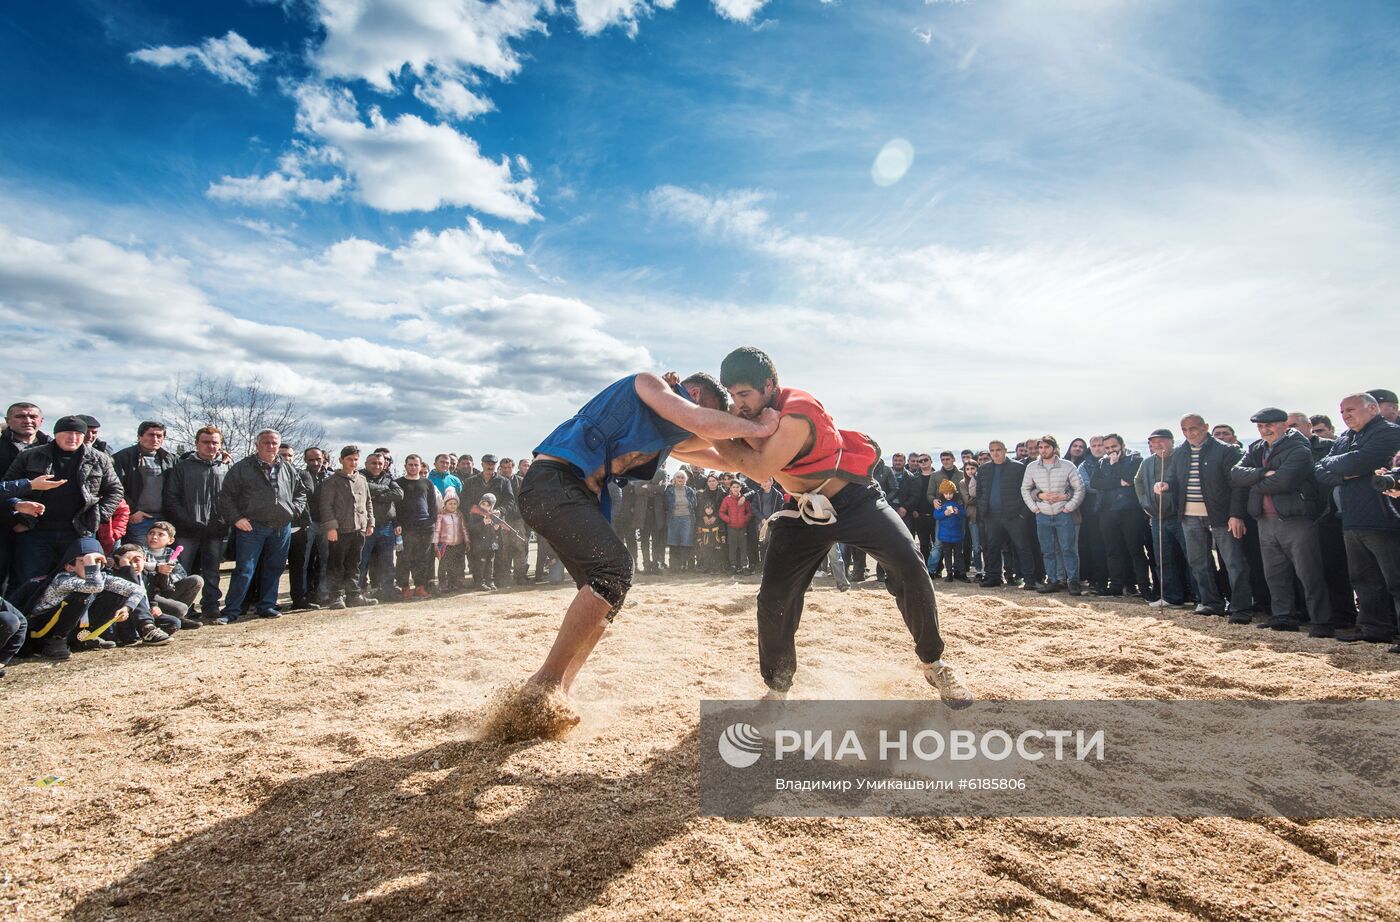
337,764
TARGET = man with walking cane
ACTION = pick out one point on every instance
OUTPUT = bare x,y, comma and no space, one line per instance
1168,540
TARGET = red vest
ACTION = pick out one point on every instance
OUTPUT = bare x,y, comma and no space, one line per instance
835,452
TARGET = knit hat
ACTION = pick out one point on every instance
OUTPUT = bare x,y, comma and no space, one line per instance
81,547
450,493
488,498
70,424
948,487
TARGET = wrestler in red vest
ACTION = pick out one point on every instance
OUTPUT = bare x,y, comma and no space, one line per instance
835,501
841,453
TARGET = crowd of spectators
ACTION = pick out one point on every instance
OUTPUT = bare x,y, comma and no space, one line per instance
1298,529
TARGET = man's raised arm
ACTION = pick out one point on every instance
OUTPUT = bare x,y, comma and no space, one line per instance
773,455
708,424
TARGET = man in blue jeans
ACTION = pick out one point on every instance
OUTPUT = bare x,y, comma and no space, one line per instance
1053,490
261,495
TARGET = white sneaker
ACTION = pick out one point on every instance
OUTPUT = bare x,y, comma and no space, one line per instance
821,574
1160,603
949,684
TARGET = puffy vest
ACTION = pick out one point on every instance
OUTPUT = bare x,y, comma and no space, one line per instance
615,423
835,452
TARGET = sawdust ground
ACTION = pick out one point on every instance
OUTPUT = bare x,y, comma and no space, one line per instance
332,764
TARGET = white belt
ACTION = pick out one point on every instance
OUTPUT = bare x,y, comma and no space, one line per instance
812,508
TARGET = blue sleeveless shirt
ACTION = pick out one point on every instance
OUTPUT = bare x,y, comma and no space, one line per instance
615,423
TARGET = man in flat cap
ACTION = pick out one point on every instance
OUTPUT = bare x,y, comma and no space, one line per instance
1387,401
1285,501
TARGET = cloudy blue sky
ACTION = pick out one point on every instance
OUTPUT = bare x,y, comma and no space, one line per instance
444,223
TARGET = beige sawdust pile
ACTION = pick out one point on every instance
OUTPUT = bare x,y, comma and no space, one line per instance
345,765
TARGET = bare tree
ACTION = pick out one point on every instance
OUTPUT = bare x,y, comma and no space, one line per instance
240,411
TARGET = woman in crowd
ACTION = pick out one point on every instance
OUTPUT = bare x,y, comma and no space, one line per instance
680,521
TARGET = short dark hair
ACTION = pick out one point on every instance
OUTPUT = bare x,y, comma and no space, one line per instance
349,450
122,550
22,405
747,365
1224,426
1053,442
708,384
1321,419
147,426
945,454
308,451
1115,436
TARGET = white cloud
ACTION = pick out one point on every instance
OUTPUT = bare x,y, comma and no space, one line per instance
596,15
275,188
456,251
230,58
1104,309
407,164
450,99
483,359
738,10
374,40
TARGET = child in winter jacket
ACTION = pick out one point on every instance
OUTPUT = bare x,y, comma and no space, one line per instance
736,511
484,536
450,543
709,540
171,590
951,517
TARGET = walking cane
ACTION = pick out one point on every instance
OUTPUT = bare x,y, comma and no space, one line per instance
1161,536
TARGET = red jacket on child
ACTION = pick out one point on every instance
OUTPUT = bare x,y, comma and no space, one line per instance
735,511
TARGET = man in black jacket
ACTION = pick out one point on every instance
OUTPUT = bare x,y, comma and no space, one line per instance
190,502
261,496
1329,525
1285,502
490,480
22,422
1125,534
914,500
1370,525
91,493
1212,511
1003,515
142,468
377,558
310,551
